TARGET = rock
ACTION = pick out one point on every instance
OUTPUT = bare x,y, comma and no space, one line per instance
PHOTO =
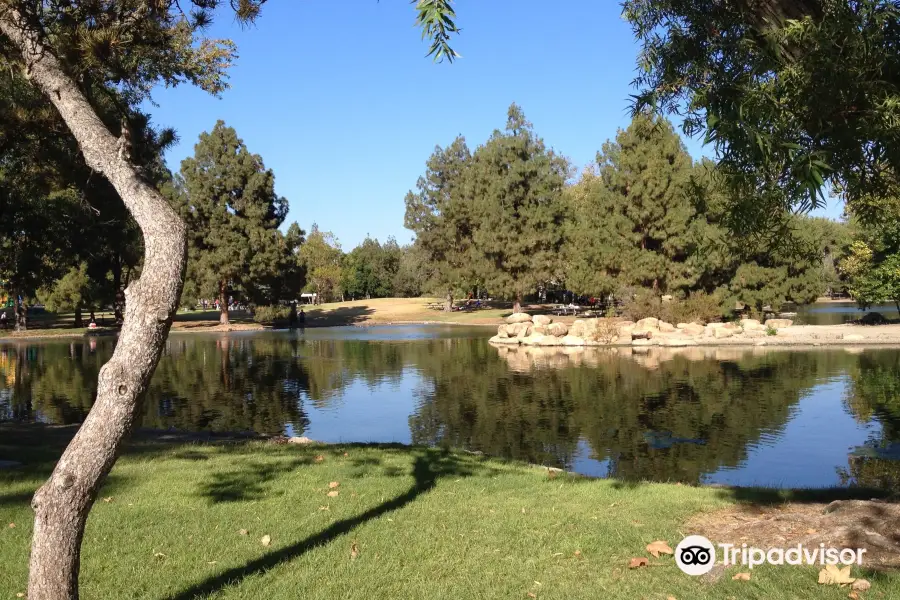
502,332
693,329
577,329
557,329
752,325
504,340
541,329
735,327
299,440
541,319
524,330
648,323
666,327
643,342
853,337
519,318
549,340
571,340
641,334
681,326
762,343
714,325
674,342
778,323
532,340
755,333
722,332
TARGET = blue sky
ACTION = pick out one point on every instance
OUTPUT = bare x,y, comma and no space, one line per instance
341,103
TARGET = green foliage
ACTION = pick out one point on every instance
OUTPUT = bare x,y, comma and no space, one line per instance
227,198
73,291
370,269
517,189
436,18
698,307
633,214
792,94
641,303
268,315
440,213
321,256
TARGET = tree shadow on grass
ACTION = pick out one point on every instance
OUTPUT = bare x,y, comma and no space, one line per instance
247,483
429,465
347,315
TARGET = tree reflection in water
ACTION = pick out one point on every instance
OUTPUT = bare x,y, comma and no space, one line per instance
674,414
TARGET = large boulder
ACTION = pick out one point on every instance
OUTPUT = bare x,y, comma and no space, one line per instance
502,331
641,334
519,318
778,323
541,329
676,342
722,332
541,319
643,342
557,329
578,328
648,323
752,325
504,340
571,340
692,328
524,330
666,327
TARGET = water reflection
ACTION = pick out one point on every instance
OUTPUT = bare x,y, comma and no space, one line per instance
754,416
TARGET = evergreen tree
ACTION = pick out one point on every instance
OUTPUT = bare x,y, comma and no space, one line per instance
440,213
229,203
517,187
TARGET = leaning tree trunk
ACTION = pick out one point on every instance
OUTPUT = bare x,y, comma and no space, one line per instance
448,302
62,504
223,303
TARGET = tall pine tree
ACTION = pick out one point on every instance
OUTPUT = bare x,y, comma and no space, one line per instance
517,187
232,213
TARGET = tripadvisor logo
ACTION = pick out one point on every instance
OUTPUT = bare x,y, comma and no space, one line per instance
696,555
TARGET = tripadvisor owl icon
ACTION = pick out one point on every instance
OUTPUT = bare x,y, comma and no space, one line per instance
695,555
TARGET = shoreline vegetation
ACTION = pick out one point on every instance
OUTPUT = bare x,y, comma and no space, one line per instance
414,311
282,520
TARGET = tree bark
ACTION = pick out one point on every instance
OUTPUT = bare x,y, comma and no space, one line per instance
448,302
21,313
223,303
62,504
79,322
517,305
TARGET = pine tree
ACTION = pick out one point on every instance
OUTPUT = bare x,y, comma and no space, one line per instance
517,187
440,213
232,213
644,202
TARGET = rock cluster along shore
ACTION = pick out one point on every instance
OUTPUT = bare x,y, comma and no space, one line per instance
540,330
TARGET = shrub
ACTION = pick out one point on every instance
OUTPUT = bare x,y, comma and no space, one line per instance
698,307
270,315
641,304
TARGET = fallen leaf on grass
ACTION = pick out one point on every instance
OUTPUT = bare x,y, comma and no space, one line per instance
213,562
741,577
332,494
354,551
832,575
20,595
159,555
671,598
578,554
108,500
345,454
557,554
638,562
853,596
523,510
659,547
333,484
532,595
266,540
244,532
12,525
319,458
861,585
324,507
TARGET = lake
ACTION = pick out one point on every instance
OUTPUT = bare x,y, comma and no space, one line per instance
756,416
835,313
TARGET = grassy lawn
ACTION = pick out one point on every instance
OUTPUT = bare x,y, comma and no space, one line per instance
405,523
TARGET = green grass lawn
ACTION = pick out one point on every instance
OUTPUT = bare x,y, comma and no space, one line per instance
423,524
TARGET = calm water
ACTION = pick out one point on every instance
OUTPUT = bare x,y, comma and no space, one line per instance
756,416
835,313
